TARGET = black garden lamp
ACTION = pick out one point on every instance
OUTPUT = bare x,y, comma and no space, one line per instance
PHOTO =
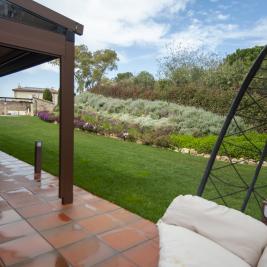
38,160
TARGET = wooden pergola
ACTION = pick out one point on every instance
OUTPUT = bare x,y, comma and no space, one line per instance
31,34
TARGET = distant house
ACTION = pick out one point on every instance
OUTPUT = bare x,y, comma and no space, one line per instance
34,92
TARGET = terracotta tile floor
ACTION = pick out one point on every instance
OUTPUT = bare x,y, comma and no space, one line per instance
37,231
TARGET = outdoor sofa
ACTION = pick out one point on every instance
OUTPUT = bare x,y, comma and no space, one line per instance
195,232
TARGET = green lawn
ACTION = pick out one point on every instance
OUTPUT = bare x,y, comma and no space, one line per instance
139,178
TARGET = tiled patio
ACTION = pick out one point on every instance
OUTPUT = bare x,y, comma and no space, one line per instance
36,230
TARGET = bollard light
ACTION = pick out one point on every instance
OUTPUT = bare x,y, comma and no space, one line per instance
264,212
38,160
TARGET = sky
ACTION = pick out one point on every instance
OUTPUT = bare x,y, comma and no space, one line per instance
140,31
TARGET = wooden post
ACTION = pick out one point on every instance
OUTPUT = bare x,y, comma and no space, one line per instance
66,134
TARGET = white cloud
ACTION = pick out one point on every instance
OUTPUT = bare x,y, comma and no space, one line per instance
124,23
118,22
199,35
222,16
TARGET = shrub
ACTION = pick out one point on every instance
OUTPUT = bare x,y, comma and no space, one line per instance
154,114
200,144
162,141
47,95
90,128
78,123
188,95
145,80
123,76
241,147
47,116
192,78
164,137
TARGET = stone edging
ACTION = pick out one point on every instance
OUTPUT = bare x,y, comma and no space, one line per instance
243,161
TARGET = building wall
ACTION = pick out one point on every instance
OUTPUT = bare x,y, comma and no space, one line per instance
28,95
42,105
55,98
15,107
18,94
20,107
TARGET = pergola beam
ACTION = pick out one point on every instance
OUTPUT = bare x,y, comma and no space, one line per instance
28,38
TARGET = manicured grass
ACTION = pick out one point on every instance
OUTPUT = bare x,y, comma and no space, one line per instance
139,178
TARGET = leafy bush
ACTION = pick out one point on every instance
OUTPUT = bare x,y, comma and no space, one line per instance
78,123
162,141
200,144
47,95
241,147
123,76
90,127
247,55
163,137
192,78
154,114
47,116
165,91
145,80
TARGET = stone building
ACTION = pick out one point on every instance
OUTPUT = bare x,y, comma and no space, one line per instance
24,106
27,101
34,92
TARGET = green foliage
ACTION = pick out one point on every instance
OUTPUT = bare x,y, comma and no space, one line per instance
163,85
47,95
200,144
247,56
83,66
228,76
145,80
154,114
91,67
193,78
123,76
194,68
242,148
183,66
165,124
103,60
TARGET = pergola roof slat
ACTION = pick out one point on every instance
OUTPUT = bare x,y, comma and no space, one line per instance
49,14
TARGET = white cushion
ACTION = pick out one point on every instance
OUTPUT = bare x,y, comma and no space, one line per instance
180,247
241,234
263,259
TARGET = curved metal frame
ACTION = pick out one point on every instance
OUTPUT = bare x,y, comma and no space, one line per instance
230,117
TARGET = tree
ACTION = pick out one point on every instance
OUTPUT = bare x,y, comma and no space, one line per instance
123,76
47,95
183,66
145,80
83,66
91,67
247,56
